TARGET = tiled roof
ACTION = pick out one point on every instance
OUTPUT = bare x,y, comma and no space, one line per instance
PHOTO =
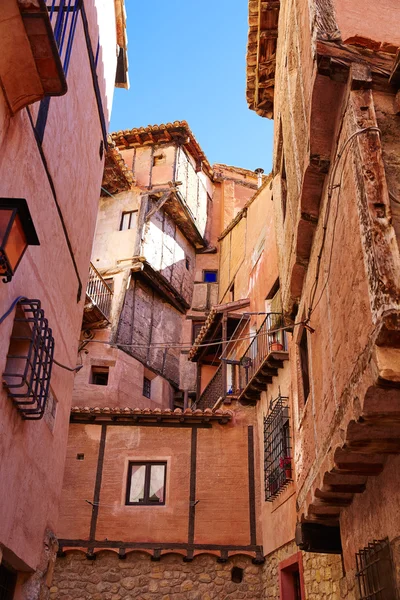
202,333
117,176
150,415
178,131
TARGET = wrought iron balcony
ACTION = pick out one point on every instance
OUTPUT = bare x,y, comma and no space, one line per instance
99,296
262,359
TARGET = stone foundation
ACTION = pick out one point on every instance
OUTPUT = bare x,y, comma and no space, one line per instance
109,578
322,574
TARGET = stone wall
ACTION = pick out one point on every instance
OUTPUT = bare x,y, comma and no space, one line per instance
109,578
322,574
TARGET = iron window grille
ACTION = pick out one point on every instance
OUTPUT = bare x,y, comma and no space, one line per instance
146,483
63,15
29,360
375,571
146,387
277,451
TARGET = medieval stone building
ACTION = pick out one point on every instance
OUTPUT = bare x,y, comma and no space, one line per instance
327,72
168,490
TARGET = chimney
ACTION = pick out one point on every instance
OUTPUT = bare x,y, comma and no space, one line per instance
259,175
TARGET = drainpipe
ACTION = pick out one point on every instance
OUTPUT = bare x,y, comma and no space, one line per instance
259,175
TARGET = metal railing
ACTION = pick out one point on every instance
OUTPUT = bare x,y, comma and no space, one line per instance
214,390
269,338
63,16
98,292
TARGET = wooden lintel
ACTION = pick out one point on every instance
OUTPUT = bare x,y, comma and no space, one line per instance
270,5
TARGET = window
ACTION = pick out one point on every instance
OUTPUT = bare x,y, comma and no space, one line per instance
29,360
375,571
196,327
187,263
283,188
277,454
303,355
146,387
159,159
80,457
146,483
99,375
128,220
210,276
8,580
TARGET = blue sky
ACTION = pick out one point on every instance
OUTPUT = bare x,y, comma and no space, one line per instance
187,61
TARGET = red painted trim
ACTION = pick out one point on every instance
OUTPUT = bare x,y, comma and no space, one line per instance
287,566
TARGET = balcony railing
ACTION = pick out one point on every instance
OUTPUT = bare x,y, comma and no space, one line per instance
269,338
63,15
99,293
214,390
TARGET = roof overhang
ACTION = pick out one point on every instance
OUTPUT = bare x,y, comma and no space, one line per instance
261,55
117,176
177,132
147,416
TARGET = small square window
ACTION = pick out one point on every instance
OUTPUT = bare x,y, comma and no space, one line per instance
99,375
159,159
146,387
210,276
146,483
128,220
80,457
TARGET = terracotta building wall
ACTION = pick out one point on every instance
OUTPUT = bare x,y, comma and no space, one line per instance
220,501
346,180
60,181
125,379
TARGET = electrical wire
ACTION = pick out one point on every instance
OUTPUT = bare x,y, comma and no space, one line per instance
18,299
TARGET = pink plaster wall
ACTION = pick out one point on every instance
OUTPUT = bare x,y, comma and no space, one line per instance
31,455
381,25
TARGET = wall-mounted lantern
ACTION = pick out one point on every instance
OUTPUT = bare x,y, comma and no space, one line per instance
17,232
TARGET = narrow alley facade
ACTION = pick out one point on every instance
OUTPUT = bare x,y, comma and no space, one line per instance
50,178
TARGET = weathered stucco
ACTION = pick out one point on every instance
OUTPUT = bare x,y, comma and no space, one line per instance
60,181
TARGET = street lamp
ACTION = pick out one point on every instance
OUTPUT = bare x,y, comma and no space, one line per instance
17,232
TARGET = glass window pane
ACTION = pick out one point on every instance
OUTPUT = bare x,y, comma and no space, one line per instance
157,477
138,474
125,221
16,243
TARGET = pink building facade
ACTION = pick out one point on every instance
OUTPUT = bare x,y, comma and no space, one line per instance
58,71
